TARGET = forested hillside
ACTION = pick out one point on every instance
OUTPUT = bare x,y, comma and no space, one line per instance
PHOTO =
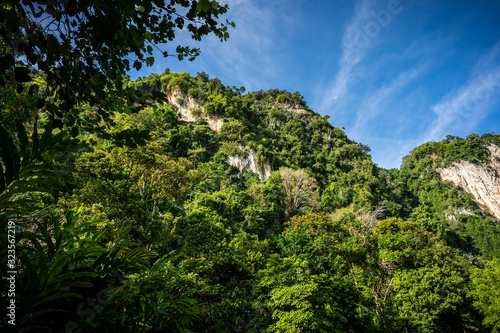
159,222
174,203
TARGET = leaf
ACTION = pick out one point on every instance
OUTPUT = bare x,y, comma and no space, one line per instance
40,103
43,267
44,141
22,74
51,107
148,36
9,155
2,180
29,265
57,232
32,237
71,275
72,216
137,39
150,61
65,286
58,265
24,144
57,296
203,5
6,62
45,311
33,89
48,239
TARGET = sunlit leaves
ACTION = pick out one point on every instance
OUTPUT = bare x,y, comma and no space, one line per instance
428,297
301,300
486,292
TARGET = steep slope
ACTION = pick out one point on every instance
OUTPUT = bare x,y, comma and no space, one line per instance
270,217
482,181
188,109
264,130
260,132
456,190
246,160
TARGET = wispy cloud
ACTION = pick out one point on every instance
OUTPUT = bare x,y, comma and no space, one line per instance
370,20
458,112
376,103
462,109
249,57
380,119
251,54
353,51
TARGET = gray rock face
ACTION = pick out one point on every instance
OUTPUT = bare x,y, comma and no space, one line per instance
186,104
292,108
482,181
188,109
248,161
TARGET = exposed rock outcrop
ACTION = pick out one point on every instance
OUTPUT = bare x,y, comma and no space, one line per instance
459,211
482,181
188,109
294,108
248,161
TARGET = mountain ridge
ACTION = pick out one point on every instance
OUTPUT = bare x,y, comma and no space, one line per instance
189,101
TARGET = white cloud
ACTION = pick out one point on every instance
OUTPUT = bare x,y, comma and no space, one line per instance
378,102
251,54
464,108
354,49
249,57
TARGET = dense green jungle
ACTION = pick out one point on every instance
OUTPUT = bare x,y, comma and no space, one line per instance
192,206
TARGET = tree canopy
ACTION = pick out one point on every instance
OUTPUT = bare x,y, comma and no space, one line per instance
147,225
83,49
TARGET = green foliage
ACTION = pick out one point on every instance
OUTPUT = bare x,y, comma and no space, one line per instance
428,285
232,258
196,112
84,50
428,298
453,149
302,300
152,300
202,231
437,202
14,108
216,106
62,265
56,264
315,234
178,81
485,291
131,185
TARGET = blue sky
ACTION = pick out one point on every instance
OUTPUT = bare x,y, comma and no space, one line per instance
394,74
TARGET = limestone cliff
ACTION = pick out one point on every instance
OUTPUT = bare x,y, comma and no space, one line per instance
248,161
188,109
482,181
294,108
